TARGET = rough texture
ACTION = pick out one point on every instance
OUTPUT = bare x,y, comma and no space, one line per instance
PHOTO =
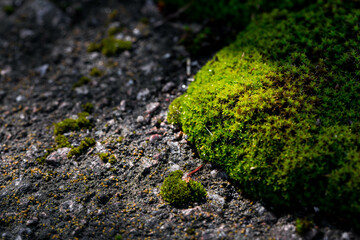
84,197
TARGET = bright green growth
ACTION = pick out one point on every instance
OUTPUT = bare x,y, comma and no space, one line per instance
82,81
106,157
120,139
279,109
303,225
181,193
9,9
114,30
62,141
95,72
118,237
88,107
84,145
69,124
94,47
110,46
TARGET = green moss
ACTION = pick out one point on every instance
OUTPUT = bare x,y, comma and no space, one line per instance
62,141
112,159
180,193
120,139
88,107
82,81
112,46
303,225
106,157
84,145
9,9
69,124
114,30
94,47
279,109
95,72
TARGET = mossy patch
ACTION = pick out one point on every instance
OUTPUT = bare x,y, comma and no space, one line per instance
95,72
88,107
69,124
181,193
303,225
82,81
110,46
279,109
114,30
107,158
84,145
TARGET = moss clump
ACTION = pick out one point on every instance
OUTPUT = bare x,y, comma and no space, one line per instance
95,72
62,141
303,225
69,124
279,109
94,47
114,30
82,81
110,46
179,192
84,145
106,157
9,9
88,107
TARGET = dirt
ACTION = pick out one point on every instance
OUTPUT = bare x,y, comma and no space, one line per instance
43,51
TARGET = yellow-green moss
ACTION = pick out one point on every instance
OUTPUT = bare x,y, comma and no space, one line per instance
181,193
84,145
279,109
95,72
82,81
88,107
110,46
69,124
303,225
114,30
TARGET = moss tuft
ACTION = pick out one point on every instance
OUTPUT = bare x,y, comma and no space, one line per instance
88,107
279,109
82,81
303,225
69,124
84,145
114,30
110,46
95,72
62,141
181,193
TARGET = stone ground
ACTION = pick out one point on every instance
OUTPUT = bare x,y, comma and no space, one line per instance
43,52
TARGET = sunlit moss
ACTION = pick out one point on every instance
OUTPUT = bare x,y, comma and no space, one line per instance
279,109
